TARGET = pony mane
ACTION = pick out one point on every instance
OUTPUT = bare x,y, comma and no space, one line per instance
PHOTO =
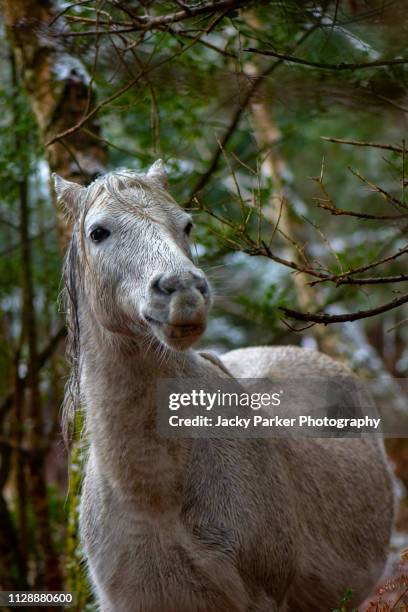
114,184
71,277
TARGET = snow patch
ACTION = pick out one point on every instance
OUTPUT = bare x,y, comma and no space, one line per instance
66,66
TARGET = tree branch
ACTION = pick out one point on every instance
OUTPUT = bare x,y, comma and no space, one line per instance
146,22
350,213
359,143
373,280
42,358
340,66
86,117
327,319
236,119
370,266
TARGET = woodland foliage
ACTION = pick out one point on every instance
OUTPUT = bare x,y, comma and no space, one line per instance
282,126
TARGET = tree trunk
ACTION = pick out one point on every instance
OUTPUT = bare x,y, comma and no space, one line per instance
48,571
59,92
12,565
267,134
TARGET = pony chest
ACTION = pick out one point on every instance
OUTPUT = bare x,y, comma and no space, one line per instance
149,550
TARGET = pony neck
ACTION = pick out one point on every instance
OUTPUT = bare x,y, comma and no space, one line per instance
119,386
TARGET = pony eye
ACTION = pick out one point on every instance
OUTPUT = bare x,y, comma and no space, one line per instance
188,228
99,233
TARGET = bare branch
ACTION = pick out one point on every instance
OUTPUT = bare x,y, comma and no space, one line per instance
359,143
114,96
350,213
66,9
194,11
339,66
380,190
146,22
42,358
375,264
373,280
213,165
326,319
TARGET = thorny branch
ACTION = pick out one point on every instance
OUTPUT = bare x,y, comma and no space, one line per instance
239,236
177,23
326,318
339,66
148,22
235,120
118,93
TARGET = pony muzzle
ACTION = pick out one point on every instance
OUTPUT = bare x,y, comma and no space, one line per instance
177,309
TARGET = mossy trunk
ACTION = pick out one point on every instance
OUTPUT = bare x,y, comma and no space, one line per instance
60,95
59,91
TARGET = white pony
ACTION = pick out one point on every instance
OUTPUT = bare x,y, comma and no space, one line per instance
178,525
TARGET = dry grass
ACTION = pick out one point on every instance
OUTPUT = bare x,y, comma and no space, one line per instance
393,593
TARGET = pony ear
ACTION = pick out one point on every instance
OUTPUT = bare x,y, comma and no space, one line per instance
68,195
158,173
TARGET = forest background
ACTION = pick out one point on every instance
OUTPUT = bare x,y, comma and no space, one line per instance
282,126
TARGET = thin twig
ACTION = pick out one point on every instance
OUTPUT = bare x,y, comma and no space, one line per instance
360,143
66,9
326,318
376,188
235,120
42,358
339,66
373,280
370,266
113,97
146,22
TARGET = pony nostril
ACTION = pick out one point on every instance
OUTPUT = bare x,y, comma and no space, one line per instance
202,286
200,283
163,285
